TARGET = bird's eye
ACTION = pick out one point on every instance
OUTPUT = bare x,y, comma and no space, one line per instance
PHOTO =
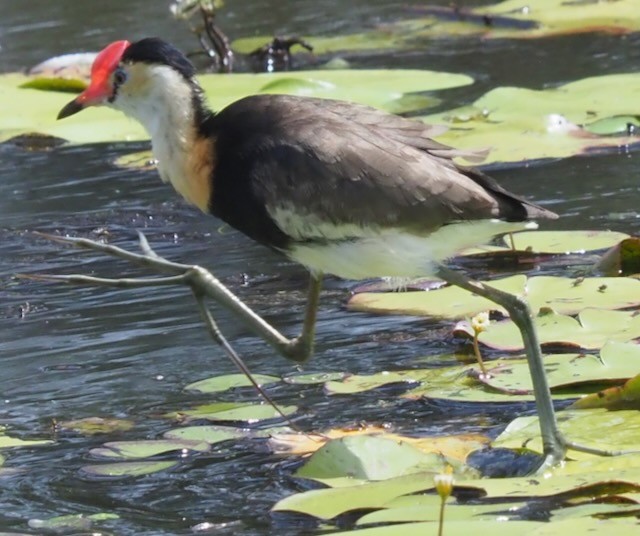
119,77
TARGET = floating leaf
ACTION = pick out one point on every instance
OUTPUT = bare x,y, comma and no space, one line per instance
402,491
427,508
142,161
382,88
616,363
562,242
341,462
127,469
96,425
509,19
592,329
453,528
312,378
458,383
625,396
622,259
599,428
453,446
125,450
329,503
230,411
563,295
524,124
210,434
7,442
219,384
70,522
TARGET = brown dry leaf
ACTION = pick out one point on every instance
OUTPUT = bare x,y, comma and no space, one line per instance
457,447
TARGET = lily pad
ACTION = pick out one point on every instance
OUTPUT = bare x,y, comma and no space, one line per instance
329,503
70,522
525,124
597,428
427,508
615,364
127,469
384,89
592,329
511,19
622,259
455,447
313,378
563,295
458,383
219,384
208,433
453,528
231,411
562,242
7,442
326,504
345,461
625,396
96,425
127,450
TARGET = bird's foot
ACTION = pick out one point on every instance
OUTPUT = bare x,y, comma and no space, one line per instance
555,451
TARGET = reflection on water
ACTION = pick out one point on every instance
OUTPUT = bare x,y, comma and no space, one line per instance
69,352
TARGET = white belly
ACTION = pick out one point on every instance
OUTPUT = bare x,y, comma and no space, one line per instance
394,253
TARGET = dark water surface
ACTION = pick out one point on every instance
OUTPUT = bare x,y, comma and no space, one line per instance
70,353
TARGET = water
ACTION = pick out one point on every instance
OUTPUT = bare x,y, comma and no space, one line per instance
69,352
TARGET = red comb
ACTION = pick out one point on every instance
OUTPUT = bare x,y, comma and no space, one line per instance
107,60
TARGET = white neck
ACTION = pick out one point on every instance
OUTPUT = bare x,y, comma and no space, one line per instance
162,101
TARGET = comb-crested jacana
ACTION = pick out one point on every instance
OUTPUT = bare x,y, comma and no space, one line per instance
341,188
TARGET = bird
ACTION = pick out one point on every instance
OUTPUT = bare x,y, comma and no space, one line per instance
338,187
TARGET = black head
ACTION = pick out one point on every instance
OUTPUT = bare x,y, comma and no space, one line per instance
155,50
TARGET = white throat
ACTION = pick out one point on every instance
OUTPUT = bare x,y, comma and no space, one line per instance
162,101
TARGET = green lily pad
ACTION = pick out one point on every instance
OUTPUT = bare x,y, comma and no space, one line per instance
127,469
459,383
329,503
509,379
70,522
588,525
326,504
96,425
511,19
592,329
563,295
219,384
208,433
622,258
599,428
562,242
384,89
625,396
453,528
427,508
524,124
344,461
615,364
142,160
313,378
7,442
231,411
126,450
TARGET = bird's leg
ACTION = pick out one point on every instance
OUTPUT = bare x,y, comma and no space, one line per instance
554,444
202,283
301,348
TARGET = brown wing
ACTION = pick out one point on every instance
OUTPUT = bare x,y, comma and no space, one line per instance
351,166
